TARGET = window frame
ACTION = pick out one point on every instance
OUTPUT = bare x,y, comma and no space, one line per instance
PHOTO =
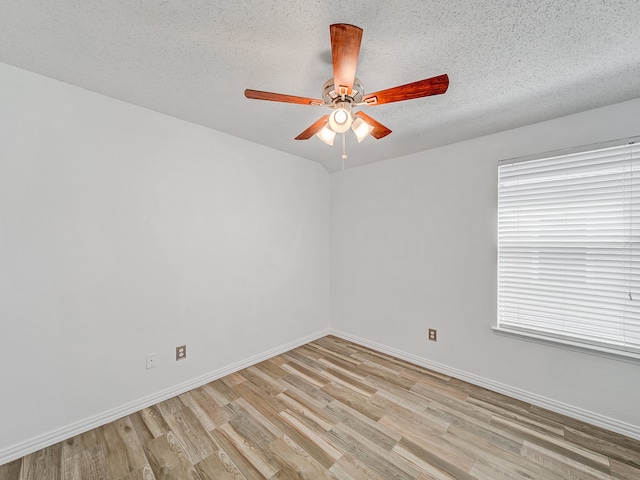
549,338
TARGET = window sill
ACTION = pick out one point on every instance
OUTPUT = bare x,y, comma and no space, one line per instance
597,350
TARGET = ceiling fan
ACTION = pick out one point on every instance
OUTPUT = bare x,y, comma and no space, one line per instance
344,91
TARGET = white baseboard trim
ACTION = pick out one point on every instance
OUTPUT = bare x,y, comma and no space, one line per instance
614,425
34,444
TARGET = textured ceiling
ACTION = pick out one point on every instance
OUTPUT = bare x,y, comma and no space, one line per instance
510,63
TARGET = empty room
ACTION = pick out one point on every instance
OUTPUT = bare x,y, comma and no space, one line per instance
319,240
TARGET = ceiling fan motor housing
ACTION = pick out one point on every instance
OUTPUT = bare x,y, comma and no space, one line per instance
330,95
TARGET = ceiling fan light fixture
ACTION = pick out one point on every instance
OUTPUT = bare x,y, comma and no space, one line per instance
340,120
361,128
326,135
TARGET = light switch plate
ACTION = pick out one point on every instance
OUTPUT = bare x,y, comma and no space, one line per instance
152,360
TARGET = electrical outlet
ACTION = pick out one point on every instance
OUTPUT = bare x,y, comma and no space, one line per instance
181,352
152,360
433,335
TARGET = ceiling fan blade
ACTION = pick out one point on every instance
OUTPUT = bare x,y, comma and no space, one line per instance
279,97
345,48
313,129
379,131
421,88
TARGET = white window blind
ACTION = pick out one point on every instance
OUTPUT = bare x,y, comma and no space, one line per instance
569,247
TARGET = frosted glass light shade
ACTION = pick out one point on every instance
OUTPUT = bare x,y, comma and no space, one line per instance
340,120
361,129
326,135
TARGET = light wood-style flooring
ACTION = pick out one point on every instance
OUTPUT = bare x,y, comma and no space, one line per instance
333,409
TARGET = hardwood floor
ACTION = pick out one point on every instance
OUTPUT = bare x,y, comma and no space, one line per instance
333,409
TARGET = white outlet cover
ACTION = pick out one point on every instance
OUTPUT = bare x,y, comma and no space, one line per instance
152,360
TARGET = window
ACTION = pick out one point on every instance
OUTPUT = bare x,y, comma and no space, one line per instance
569,249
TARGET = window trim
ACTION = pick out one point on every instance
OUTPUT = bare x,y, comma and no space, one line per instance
570,150
550,339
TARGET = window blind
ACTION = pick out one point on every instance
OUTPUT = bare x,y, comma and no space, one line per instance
569,247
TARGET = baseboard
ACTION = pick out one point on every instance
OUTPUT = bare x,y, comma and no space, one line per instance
34,444
611,424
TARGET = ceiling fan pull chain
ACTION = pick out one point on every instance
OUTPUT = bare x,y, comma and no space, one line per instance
344,153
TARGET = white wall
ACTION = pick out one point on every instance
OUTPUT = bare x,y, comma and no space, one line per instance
413,246
123,232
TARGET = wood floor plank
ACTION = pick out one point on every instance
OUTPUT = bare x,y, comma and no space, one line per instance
267,406
11,470
345,414
265,383
628,454
558,445
272,369
483,435
349,382
170,406
388,375
454,410
430,439
310,362
233,379
354,399
202,406
242,407
143,473
218,465
621,470
44,464
564,466
431,463
310,393
122,447
327,353
493,469
510,464
312,413
235,456
79,443
423,374
191,434
254,427
367,452
410,423
350,369
142,430
335,344
90,464
154,422
220,392
317,438
168,459
300,371
350,468
332,409
581,426
397,395
309,446
296,462
258,457
374,431
429,384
